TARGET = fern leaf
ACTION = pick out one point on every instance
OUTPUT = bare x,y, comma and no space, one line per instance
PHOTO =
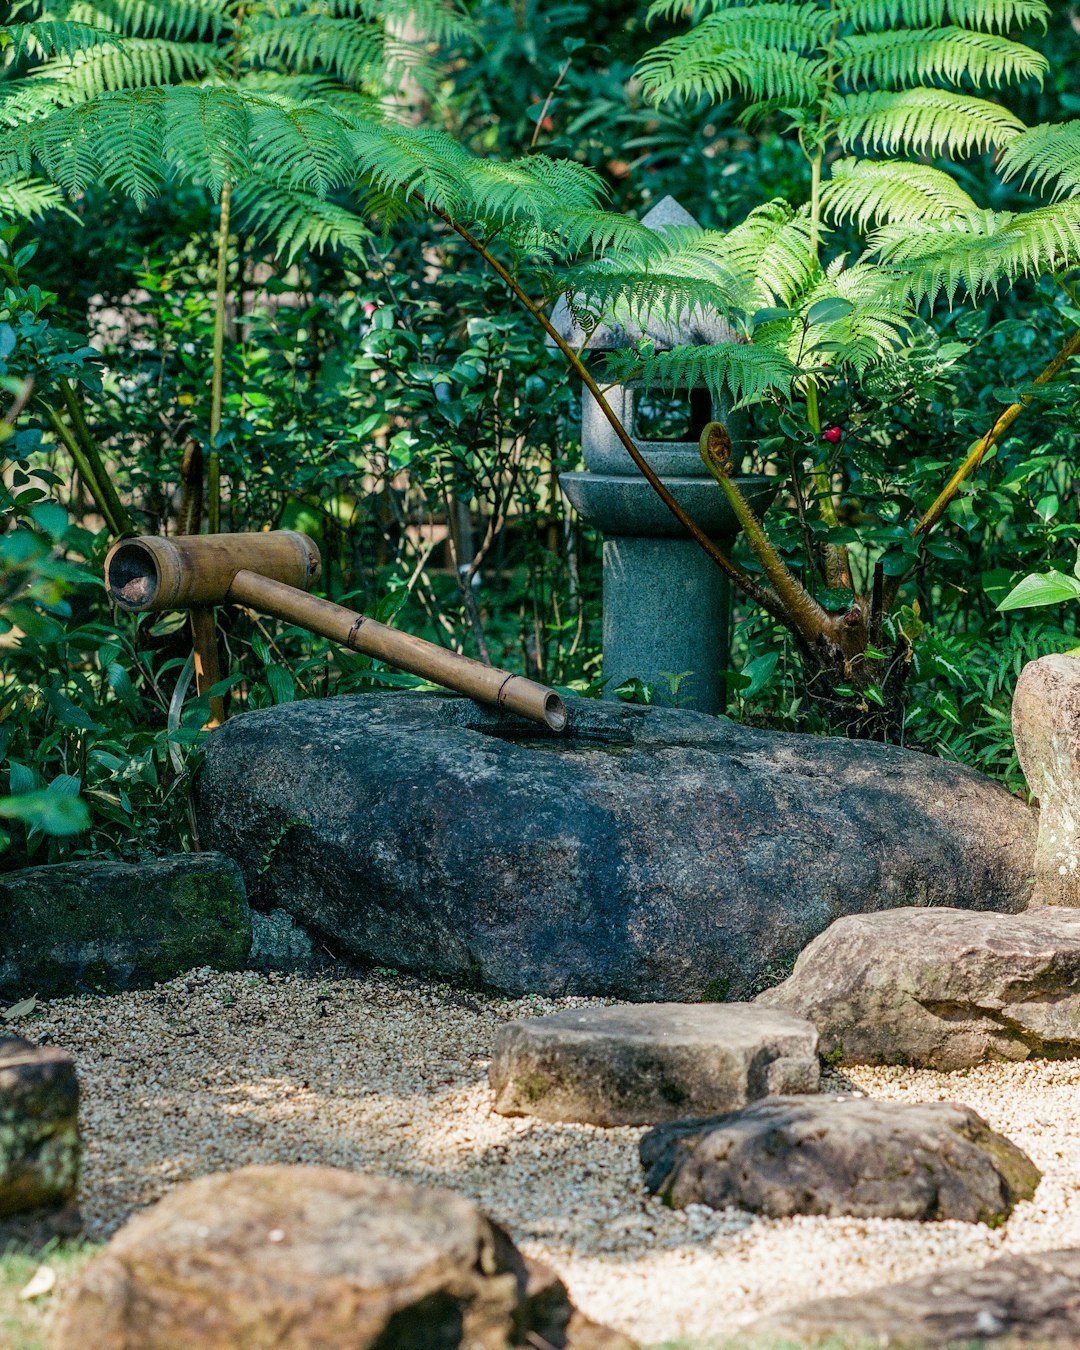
876,192
55,38
987,15
134,63
922,121
29,199
307,147
1045,157
351,51
748,372
981,251
296,222
706,63
905,57
207,132
772,245
177,20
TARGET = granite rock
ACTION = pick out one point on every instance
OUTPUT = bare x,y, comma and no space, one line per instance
651,854
317,1258
39,1132
842,1156
1023,1301
940,988
638,1064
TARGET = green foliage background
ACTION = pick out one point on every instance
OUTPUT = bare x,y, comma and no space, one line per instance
383,393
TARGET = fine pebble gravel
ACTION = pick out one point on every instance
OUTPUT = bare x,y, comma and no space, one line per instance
389,1074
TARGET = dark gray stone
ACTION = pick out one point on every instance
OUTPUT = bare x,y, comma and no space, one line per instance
105,925
940,988
1029,1300
638,1064
39,1132
652,854
842,1156
279,943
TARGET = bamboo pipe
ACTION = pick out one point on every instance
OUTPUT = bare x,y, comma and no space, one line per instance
272,572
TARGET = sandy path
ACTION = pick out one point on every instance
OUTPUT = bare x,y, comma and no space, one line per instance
388,1074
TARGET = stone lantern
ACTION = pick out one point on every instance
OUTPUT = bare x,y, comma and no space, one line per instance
667,606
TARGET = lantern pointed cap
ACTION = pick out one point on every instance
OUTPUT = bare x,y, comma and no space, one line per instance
691,330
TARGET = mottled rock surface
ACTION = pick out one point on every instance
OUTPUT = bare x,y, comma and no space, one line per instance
638,1064
940,988
1046,729
317,1258
842,1155
1029,1300
39,1131
80,926
652,854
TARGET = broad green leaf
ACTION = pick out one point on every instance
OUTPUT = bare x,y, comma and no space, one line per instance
1052,588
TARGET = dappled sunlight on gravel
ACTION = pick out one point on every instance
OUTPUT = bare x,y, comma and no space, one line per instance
388,1074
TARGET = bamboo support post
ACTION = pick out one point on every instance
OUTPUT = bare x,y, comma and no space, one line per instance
272,572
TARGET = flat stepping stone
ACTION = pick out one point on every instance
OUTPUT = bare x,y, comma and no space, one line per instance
39,1133
312,1257
1019,1300
842,1156
640,1063
941,988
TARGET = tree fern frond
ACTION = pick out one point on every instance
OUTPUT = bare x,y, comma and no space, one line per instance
352,51
906,57
307,147
1045,157
980,251
872,330
115,138
421,160
987,15
876,192
29,199
922,121
135,63
746,371
174,19
431,20
207,132
51,38
705,62
296,221
772,245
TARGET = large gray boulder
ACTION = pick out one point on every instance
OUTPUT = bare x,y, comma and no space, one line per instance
317,1258
940,988
651,854
842,1155
641,1063
73,927
1023,1301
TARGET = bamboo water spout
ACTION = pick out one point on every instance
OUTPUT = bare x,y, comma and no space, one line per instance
273,572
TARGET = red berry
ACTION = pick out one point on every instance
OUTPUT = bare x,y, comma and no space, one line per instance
833,435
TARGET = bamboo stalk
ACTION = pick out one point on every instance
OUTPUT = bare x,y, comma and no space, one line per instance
271,572
217,377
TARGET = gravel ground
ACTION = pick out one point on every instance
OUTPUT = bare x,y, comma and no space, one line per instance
388,1073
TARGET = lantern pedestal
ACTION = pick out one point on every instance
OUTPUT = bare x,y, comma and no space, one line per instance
667,606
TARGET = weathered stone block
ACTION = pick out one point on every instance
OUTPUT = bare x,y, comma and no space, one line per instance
1046,728
317,1257
105,925
638,1064
652,854
940,988
1023,1301
842,1156
39,1131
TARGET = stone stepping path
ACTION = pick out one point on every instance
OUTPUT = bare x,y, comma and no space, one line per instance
641,1063
842,1156
940,988
1018,1300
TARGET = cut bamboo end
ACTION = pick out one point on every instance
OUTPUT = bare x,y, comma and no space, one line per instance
151,573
